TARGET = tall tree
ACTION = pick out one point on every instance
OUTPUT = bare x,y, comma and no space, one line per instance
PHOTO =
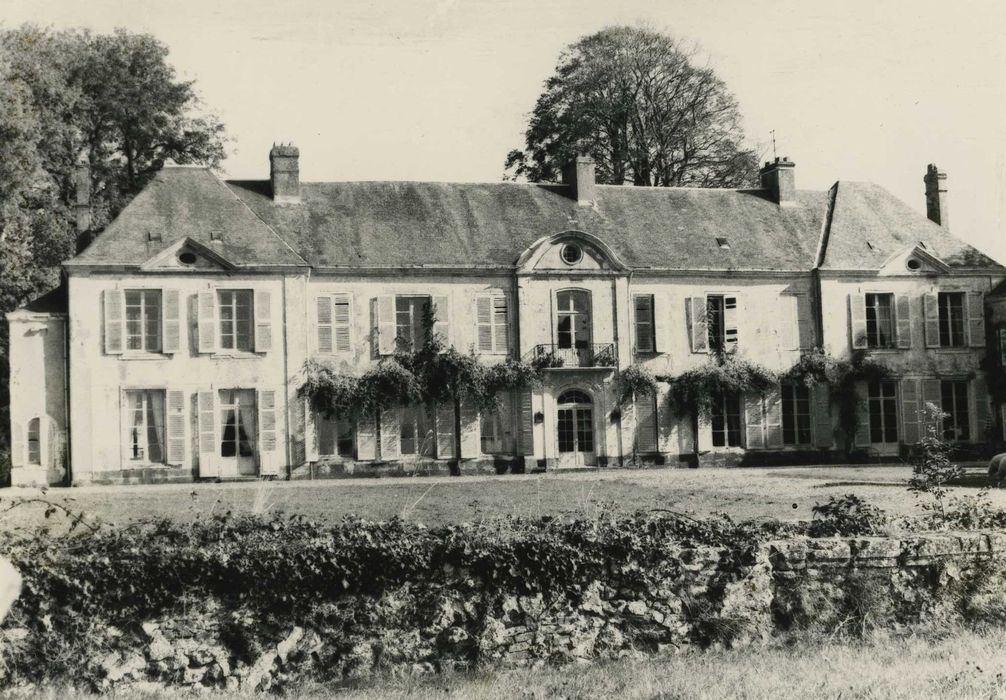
635,101
114,98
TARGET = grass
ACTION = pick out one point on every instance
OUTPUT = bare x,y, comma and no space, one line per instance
960,664
784,493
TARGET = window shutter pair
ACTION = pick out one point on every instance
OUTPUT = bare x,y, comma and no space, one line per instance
176,422
646,423
902,321
270,454
207,320
114,303
334,316
492,321
643,308
445,430
695,310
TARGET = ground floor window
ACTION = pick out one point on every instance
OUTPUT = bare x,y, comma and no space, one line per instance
237,422
726,420
883,412
336,437
954,402
795,414
416,435
490,432
646,423
145,426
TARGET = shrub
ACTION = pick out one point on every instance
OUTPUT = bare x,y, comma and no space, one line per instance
932,468
846,515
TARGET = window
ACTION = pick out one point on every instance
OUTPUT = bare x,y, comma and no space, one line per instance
336,437
143,320
645,340
492,324
145,427
34,441
952,319
721,322
726,420
573,328
883,411
880,320
490,432
416,436
409,315
571,254
795,414
236,319
237,422
954,402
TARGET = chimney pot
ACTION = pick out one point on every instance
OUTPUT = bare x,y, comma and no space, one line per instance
937,207
779,180
284,173
579,175
82,187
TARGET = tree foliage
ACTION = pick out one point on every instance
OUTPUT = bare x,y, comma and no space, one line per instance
634,380
114,98
637,102
695,391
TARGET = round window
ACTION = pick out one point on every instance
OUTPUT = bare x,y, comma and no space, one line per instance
913,264
187,258
571,254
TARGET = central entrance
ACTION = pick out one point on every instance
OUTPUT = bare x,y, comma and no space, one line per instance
576,430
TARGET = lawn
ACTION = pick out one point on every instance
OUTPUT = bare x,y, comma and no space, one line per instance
784,493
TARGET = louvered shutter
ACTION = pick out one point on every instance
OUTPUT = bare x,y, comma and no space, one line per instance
442,319
505,438
644,320
172,321
115,304
731,313
445,430
931,317
982,409
823,431
207,321
305,432
209,465
263,320
343,322
470,442
269,453
696,312
176,427
501,325
911,411
805,322
976,319
526,424
903,306
773,419
753,421
17,444
484,324
323,314
857,320
932,393
789,320
386,326
646,423
391,434
366,438
862,436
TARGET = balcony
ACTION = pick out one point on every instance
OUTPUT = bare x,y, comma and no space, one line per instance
549,356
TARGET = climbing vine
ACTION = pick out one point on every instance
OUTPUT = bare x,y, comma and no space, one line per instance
633,381
695,391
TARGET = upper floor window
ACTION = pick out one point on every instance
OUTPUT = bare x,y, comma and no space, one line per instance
953,319
143,320
334,316
645,330
573,329
409,315
236,319
492,324
721,322
880,320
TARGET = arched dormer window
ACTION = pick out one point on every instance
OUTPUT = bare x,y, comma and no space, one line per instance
35,441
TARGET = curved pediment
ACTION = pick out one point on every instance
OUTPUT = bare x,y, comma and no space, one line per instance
570,251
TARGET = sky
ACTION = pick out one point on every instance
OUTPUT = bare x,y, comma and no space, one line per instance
441,89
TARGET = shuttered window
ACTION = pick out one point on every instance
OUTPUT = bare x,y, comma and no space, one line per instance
333,315
645,335
880,320
883,408
721,322
409,314
336,437
416,434
234,308
952,319
726,421
795,414
143,320
492,324
646,423
954,402
144,423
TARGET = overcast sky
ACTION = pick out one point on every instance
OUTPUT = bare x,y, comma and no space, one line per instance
441,89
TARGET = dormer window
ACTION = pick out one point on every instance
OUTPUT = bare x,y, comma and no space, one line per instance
571,254
723,243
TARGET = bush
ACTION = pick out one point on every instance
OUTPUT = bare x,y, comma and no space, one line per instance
847,515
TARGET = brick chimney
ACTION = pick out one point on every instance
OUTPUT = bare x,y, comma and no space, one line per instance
779,180
284,173
82,188
579,175
937,208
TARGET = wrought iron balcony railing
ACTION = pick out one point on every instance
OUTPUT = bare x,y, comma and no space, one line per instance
550,356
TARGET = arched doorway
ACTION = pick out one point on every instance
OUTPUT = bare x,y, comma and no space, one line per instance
575,424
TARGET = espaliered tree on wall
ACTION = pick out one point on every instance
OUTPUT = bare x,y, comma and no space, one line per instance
840,376
433,374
